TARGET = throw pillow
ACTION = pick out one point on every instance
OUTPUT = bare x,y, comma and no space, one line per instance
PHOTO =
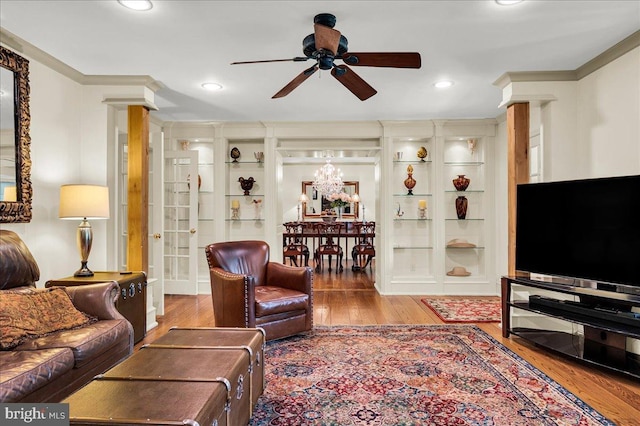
37,313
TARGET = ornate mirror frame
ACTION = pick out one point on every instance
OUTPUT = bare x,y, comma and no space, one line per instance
19,210
320,203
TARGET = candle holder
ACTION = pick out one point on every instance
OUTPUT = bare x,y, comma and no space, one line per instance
235,210
235,213
422,209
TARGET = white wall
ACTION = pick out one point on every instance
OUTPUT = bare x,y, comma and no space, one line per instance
69,131
592,129
608,108
55,105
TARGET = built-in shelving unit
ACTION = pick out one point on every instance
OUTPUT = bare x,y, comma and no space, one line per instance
248,220
412,230
464,156
436,251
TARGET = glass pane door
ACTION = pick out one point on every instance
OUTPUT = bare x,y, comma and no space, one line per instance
180,222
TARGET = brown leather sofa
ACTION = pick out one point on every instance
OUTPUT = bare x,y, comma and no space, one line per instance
250,291
51,367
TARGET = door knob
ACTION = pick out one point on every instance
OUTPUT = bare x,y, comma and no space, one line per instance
157,236
192,230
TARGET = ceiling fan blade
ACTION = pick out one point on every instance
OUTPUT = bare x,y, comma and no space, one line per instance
300,78
326,38
353,82
296,59
383,59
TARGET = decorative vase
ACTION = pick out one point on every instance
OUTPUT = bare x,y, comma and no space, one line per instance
257,205
235,154
461,207
461,183
410,182
339,212
422,153
246,184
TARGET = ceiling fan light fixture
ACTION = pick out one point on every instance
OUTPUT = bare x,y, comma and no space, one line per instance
212,86
443,84
139,5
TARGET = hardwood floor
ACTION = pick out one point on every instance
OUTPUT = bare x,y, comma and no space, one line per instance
350,298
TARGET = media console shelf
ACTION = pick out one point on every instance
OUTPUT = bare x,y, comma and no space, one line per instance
605,315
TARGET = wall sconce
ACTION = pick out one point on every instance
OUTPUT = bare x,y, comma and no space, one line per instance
303,199
422,209
235,209
84,202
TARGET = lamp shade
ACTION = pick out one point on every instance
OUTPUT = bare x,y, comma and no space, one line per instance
84,201
303,198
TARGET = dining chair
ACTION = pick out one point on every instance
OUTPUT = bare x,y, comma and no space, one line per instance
295,246
329,234
364,249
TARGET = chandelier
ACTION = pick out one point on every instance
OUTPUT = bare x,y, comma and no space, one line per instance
328,179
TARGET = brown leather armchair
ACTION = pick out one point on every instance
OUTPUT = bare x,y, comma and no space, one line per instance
250,291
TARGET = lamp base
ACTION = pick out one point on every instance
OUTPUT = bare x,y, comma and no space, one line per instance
84,271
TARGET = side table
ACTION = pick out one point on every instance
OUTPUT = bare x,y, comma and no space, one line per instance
132,303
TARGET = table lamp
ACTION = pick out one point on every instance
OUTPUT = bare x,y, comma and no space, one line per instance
84,202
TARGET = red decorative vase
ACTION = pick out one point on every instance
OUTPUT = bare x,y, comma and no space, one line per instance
461,183
410,182
461,207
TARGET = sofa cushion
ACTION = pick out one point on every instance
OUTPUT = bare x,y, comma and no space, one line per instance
86,343
275,300
35,313
26,371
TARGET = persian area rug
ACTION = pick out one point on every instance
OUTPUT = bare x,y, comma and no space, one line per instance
458,309
409,375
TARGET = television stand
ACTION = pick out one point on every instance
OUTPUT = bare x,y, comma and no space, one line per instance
607,320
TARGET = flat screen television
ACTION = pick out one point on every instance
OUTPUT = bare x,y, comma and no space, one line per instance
582,229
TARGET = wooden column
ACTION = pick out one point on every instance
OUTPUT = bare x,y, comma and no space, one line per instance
138,189
518,167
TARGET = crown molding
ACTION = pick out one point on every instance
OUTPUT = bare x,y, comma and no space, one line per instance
25,48
609,55
606,57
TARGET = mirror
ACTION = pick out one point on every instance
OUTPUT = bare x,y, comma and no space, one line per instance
15,142
317,202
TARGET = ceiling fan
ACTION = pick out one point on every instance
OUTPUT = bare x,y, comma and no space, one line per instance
326,45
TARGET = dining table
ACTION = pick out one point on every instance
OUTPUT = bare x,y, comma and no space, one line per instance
309,230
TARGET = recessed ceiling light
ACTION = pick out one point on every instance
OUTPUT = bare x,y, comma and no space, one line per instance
136,4
211,86
508,2
443,84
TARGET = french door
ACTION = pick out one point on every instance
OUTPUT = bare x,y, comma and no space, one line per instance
180,192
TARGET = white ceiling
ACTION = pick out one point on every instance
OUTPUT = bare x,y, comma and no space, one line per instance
182,44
